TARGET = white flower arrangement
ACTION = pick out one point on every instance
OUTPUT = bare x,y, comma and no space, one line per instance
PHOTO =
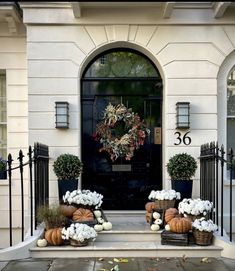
78,232
83,197
164,195
195,207
204,225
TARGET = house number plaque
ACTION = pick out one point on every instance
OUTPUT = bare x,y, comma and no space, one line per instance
157,135
121,168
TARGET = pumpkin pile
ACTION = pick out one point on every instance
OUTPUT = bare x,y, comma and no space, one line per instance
149,206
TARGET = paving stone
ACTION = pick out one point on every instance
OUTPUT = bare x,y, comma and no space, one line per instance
159,264
28,265
132,264
2,265
230,263
195,264
70,264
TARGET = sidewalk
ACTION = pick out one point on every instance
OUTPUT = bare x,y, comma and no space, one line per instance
133,264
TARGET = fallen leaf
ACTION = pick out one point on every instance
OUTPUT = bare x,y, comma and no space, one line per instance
103,270
115,268
116,260
205,260
184,257
110,262
168,258
123,260
152,269
101,259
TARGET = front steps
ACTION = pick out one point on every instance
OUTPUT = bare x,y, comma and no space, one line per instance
131,237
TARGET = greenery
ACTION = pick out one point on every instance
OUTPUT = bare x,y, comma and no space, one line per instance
67,167
51,216
3,164
181,166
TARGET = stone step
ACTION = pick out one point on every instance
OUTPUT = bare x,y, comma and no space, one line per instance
125,249
130,237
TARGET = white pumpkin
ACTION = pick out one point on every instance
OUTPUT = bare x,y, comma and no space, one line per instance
97,213
167,227
155,227
100,220
98,227
158,221
107,226
156,215
42,243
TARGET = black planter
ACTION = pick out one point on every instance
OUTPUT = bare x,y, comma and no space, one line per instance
3,175
185,188
66,185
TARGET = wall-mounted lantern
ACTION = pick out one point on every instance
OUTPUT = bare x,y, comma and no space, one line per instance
62,115
182,115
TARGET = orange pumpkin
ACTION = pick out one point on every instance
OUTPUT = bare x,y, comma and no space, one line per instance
82,214
170,213
67,210
148,217
149,206
54,236
180,225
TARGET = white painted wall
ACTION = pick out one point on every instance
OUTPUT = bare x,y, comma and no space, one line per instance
13,62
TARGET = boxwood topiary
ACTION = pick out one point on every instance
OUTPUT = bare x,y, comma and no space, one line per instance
67,167
181,166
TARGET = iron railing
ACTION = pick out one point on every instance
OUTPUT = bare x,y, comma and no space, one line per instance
213,168
38,160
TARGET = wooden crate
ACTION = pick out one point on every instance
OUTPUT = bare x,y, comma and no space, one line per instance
177,239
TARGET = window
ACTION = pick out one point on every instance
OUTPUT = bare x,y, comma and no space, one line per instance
3,117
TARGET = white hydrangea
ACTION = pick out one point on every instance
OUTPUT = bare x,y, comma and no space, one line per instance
164,195
84,197
195,207
78,232
204,225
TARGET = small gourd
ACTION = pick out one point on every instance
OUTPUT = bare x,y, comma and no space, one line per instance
158,221
97,213
167,227
170,213
180,225
42,243
156,215
107,226
98,227
100,220
155,227
148,217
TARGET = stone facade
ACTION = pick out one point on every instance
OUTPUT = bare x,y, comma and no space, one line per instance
188,44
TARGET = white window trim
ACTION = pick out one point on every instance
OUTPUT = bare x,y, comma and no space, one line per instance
223,74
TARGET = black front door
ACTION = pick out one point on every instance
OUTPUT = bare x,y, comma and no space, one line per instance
124,184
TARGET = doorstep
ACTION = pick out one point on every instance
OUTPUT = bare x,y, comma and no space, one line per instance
130,237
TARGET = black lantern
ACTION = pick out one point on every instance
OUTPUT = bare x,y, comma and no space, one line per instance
62,115
182,115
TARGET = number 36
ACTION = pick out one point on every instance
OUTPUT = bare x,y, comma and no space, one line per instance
186,139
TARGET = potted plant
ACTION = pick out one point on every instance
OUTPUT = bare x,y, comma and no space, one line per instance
54,221
3,168
181,168
203,231
67,168
79,234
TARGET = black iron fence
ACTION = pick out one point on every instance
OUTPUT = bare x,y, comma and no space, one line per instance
215,168
38,164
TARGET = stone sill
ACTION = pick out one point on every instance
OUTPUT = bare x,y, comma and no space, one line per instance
4,182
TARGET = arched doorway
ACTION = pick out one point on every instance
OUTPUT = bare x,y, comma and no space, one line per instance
128,77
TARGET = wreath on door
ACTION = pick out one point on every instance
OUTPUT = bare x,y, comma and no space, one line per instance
121,132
